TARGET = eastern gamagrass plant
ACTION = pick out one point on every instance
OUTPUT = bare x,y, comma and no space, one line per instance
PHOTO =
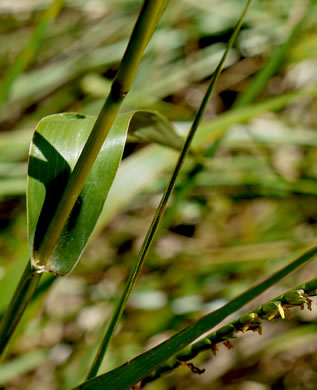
69,158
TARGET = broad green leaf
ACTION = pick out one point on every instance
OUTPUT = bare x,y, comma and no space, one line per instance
133,371
56,146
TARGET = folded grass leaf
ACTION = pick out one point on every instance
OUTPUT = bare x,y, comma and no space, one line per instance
49,237
56,146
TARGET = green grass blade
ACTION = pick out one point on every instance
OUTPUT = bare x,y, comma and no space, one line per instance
57,143
156,158
130,373
252,320
149,239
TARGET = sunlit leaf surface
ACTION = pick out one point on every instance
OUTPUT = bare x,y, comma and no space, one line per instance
56,146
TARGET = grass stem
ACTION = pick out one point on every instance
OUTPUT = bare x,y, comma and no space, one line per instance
148,19
20,300
149,239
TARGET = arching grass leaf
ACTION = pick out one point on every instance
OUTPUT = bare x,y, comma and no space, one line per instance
56,146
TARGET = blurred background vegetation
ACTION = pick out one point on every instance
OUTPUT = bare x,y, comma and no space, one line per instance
250,209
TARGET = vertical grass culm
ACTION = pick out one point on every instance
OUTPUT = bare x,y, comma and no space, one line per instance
149,239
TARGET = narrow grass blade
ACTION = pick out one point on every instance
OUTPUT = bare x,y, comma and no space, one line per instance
252,320
149,239
130,373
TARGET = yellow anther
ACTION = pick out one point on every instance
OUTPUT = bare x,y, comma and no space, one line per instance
281,310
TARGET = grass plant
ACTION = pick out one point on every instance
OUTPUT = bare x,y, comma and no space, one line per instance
75,186
144,28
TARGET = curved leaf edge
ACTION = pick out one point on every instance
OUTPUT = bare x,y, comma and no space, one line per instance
113,142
